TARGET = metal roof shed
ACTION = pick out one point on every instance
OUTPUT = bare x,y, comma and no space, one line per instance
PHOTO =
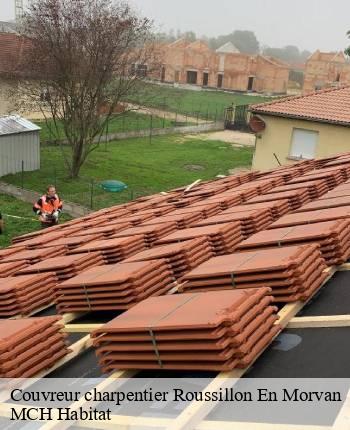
19,145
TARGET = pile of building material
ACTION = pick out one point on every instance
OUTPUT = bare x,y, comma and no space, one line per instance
226,200
33,256
9,269
114,287
293,273
277,208
206,209
332,178
296,198
67,266
105,230
73,242
217,331
151,233
325,203
332,236
223,238
182,220
114,250
310,217
28,346
315,188
181,257
251,221
21,295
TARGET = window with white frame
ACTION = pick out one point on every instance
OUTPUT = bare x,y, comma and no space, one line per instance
304,143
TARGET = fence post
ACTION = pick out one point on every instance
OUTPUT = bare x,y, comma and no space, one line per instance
175,119
22,175
216,113
92,194
164,120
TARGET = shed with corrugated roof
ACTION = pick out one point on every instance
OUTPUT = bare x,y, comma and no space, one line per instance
19,145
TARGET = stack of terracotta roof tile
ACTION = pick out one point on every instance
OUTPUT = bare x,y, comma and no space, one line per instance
65,267
310,217
133,220
315,188
325,203
181,257
293,272
344,169
38,241
182,220
251,221
222,237
341,161
7,252
225,200
114,250
207,209
74,241
332,236
333,178
277,208
320,162
151,233
339,191
30,345
105,230
180,201
33,256
296,198
245,191
217,331
116,286
21,295
154,212
9,269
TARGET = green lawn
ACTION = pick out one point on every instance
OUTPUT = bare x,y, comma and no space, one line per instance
165,163
128,121
17,226
205,103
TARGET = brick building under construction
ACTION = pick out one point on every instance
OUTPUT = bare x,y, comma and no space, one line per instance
196,64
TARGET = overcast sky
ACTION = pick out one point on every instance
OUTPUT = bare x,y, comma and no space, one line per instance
309,24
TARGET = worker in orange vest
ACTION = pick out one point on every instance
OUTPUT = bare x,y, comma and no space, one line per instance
48,207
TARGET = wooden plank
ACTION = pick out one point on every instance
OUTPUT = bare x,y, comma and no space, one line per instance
344,267
71,316
189,188
320,321
81,328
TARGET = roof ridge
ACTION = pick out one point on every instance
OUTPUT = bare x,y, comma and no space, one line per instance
301,96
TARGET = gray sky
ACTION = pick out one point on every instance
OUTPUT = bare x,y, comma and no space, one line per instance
309,24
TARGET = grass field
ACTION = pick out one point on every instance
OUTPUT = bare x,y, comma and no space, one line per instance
205,103
130,121
168,162
17,226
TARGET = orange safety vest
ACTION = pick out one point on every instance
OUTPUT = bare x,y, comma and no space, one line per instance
49,206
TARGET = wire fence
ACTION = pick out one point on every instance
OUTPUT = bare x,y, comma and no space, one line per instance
133,123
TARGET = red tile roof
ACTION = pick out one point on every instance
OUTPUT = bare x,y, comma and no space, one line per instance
329,106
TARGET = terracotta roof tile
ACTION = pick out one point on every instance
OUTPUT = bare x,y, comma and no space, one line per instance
330,106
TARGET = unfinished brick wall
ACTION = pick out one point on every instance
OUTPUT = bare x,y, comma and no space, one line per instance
326,69
195,63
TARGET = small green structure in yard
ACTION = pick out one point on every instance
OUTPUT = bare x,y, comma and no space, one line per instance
113,186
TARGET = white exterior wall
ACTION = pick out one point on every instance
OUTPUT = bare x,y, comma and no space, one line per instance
15,148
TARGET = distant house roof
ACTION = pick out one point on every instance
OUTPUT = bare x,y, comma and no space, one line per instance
228,48
14,124
329,106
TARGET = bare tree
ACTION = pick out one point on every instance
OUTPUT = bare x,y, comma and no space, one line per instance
83,55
